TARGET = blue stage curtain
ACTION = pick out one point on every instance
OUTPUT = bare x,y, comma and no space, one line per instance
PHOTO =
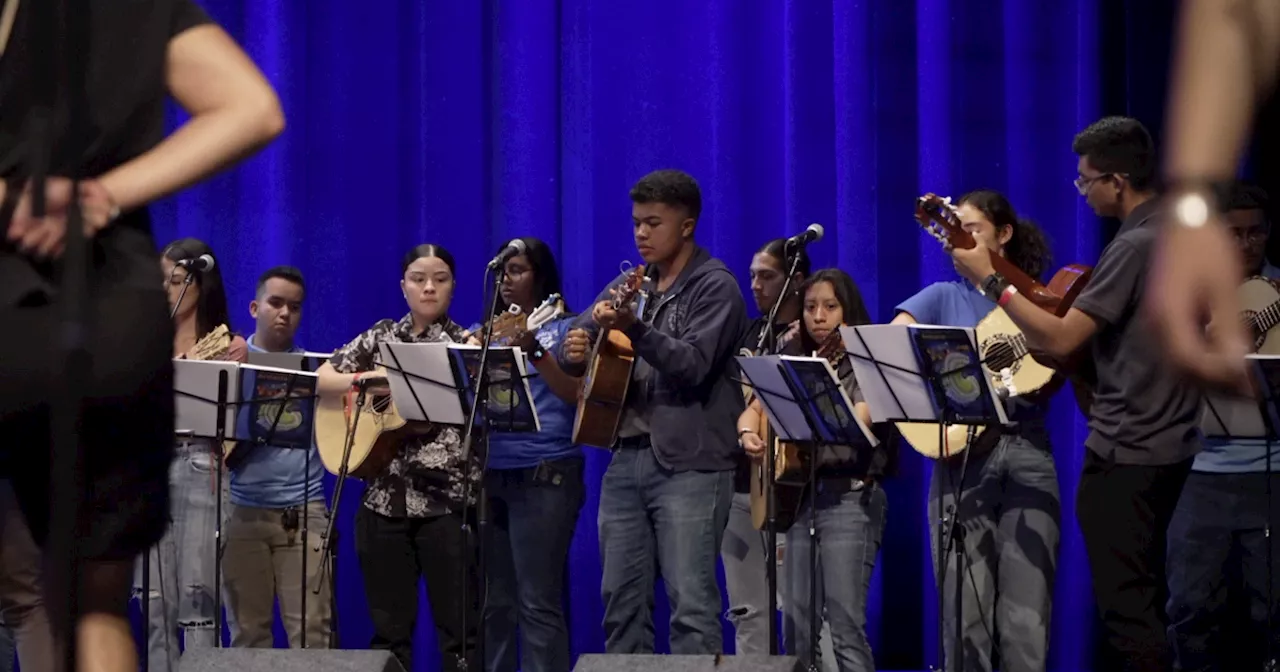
468,123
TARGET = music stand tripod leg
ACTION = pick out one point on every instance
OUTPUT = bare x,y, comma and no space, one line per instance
815,625
306,541
956,539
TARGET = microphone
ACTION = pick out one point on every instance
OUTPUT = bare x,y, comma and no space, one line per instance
514,248
809,235
366,382
202,263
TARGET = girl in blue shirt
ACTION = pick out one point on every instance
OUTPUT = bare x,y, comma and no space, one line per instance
535,490
1010,507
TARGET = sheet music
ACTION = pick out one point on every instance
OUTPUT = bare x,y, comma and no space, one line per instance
195,386
904,381
510,406
263,409
889,344
834,415
785,416
432,382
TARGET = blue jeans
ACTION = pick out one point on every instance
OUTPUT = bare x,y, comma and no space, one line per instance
532,513
1010,514
1218,546
848,526
651,518
182,564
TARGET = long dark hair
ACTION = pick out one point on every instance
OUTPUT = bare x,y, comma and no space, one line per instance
1028,248
211,306
546,274
846,291
776,248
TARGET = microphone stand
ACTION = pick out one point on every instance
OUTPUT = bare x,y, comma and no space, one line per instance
769,343
481,385
145,597
329,547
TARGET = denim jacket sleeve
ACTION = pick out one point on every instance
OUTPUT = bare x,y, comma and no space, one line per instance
688,357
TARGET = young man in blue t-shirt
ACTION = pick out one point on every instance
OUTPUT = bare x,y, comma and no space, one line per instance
1217,538
1009,506
272,488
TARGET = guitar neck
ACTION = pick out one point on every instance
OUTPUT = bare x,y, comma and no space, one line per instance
1025,284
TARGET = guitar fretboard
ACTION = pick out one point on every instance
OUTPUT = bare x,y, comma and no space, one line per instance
1263,320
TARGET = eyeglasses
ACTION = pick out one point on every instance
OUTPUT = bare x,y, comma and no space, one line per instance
1256,234
1084,183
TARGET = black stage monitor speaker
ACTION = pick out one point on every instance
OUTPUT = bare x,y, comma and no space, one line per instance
595,662
287,660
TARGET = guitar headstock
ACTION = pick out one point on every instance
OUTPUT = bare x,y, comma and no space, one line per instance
832,347
939,219
626,292
512,325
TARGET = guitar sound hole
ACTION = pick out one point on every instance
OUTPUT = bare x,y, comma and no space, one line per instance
1001,355
380,404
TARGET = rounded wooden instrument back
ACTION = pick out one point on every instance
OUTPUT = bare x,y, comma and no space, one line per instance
1258,300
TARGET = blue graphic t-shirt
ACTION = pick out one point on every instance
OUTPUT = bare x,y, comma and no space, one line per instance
555,415
960,304
276,477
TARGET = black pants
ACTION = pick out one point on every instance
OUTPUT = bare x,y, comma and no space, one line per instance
393,553
1124,512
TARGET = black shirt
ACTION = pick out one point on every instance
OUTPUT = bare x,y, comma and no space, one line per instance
125,94
125,83
1142,413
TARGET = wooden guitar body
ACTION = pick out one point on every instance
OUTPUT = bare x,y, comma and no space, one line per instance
923,437
604,387
380,432
604,392
790,479
1260,310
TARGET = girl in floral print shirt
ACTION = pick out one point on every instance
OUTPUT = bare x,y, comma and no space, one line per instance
411,523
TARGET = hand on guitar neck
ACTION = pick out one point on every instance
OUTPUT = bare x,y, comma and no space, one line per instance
609,316
373,383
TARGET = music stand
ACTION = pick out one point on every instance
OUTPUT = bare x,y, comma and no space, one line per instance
262,373
791,390
933,375
206,397
1233,418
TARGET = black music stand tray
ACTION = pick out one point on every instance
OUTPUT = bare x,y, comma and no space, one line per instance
902,383
797,417
1257,419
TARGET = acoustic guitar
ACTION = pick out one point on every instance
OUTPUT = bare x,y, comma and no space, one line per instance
381,429
1001,344
1260,311
790,462
609,366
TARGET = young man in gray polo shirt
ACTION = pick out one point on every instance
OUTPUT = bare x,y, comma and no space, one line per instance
1144,430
